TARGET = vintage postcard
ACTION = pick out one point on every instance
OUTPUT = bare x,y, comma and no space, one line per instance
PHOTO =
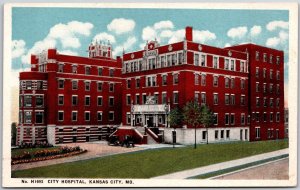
150,95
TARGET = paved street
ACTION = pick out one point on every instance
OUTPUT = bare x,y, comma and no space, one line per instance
275,170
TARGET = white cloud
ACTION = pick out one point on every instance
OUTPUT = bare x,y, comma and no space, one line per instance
142,45
149,33
255,30
67,52
18,48
273,42
105,37
283,35
273,25
165,24
227,45
126,45
203,36
238,32
121,25
65,34
166,33
177,36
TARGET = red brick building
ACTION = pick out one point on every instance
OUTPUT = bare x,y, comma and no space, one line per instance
69,98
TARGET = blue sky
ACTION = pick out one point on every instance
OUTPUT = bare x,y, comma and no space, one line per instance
70,30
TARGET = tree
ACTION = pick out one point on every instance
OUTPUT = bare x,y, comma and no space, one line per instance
192,116
13,133
206,119
175,117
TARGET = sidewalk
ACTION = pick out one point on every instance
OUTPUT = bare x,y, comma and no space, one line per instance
221,166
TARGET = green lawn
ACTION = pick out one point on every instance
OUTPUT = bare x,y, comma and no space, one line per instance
150,163
17,152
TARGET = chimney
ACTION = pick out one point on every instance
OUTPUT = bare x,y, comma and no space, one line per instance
189,33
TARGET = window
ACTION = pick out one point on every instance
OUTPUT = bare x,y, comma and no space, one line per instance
277,60
271,58
257,56
271,88
222,134
232,119
99,86
128,99
216,99
137,83
196,96
175,98
216,81
226,82
257,116
242,119
74,84
242,66
203,98
203,60
216,134
74,100
137,99
60,115
87,86
196,79
164,80
257,72
39,101
271,74
216,62
264,73
74,115
111,101
74,68
163,61
271,117
227,134
100,71
39,117
28,116
242,83
144,98
265,102
27,100
87,116
242,100
257,87
226,66
226,118
128,83
196,59
99,101
278,75
87,70
265,57
111,116
226,99
99,116
277,89
232,65
203,79
232,99
87,100
215,118
111,87
164,98
203,135
257,132
265,117
277,102
39,85
257,102
175,78
60,84
232,83
28,85
111,72
180,58
60,68
264,88
271,102
156,98
277,117
60,100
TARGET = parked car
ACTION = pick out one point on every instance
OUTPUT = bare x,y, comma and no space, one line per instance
128,141
113,140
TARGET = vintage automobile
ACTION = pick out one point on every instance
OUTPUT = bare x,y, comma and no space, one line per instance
113,140
128,141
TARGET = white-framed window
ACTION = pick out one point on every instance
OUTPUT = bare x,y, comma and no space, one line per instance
137,82
87,115
243,101
277,60
61,83
216,98
164,79
74,115
60,99
175,78
87,85
74,100
243,119
99,116
277,102
277,117
87,100
257,72
128,99
257,132
128,118
216,120
196,59
111,87
232,65
99,86
74,84
226,65
215,81
100,71
27,116
271,116
257,102
111,101
203,79
137,99
264,88
232,119
232,82
111,72
87,70
264,73
99,101
60,115
203,98
277,75
39,117
257,55
216,62
227,99
60,67
257,88
203,60
175,97
265,116
227,118
196,78
128,81
271,58
242,66
264,57
74,69
227,82
242,83
196,96
232,97
39,100
271,74
265,102
164,97
111,116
